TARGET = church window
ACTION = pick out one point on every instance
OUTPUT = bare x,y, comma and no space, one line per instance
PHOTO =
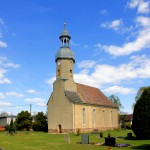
103,117
71,73
58,72
94,116
111,117
83,116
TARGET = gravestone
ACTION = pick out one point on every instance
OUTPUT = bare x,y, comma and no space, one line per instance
110,141
129,135
84,138
67,138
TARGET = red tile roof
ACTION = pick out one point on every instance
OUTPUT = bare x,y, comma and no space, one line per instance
92,95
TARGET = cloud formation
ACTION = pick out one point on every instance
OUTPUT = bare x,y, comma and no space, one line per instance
103,74
119,89
143,7
3,44
142,40
115,24
6,64
2,27
38,101
32,91
5,104
14,94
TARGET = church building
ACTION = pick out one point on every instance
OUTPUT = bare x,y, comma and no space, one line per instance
74,106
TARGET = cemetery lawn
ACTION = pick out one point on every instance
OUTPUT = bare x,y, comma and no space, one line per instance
44,141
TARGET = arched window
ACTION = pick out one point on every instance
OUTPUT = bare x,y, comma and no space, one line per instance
83,116
58,72
71,73
111,117
103,116
94,116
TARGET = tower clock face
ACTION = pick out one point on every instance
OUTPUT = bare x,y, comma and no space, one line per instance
58,62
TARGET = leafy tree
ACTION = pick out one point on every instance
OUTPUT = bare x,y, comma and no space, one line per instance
24,120
116,100
40,123
141,116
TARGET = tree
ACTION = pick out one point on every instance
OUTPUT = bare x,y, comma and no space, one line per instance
40,123
24,120
116,100
141,116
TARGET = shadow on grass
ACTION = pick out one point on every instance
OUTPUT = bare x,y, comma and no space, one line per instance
142,147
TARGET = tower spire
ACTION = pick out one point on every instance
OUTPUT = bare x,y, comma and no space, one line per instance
64,24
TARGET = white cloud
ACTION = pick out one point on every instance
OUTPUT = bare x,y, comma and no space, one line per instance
137,68
143,7
4,104
5,64
3,79
143,21
14,94
35,100
51,80
133,3
2,27
115,24
41,104
2,95
32,91
120,90
86,64
104,12
12,65
3,44
141,42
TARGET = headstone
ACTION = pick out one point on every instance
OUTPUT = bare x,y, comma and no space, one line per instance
67,138
129,135
110,141
84,138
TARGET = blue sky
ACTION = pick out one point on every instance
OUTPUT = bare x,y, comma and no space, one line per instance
110,40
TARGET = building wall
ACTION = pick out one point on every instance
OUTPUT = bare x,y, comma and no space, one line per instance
60,109
3,122
96,117
6,120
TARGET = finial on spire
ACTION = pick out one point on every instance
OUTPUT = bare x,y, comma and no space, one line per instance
64,24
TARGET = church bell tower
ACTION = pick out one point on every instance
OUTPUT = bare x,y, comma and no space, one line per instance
64,57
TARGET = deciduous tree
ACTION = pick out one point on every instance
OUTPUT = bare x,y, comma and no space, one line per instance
24,120
40,123
116,100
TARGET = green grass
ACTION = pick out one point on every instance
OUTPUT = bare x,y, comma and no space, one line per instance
45,141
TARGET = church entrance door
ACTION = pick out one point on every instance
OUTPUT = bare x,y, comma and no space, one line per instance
59,128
